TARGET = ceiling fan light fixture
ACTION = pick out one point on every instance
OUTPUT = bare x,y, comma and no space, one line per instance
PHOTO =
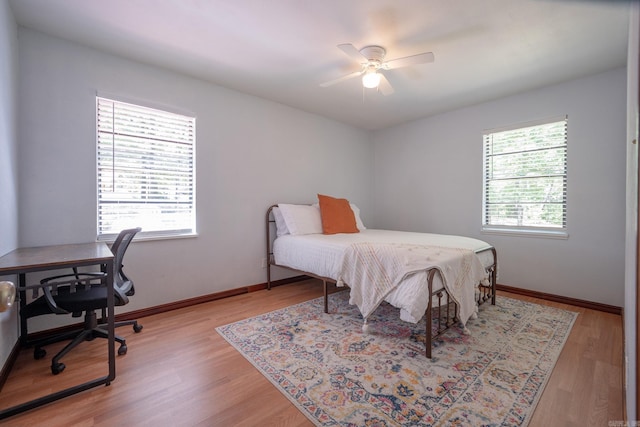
371,79
373,66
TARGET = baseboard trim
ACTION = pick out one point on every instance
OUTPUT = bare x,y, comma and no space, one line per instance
136,314
144,312
205,298
561,299
13,356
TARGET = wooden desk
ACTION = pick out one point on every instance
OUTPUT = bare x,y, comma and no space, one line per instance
27,260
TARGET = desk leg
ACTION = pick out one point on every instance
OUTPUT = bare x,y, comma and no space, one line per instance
22,407
111,323
32,404
22,294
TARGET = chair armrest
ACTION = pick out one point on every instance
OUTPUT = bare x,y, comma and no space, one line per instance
120,295
74,279
78,277
52,303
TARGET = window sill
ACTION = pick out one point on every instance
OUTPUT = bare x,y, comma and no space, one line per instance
545,234
140,237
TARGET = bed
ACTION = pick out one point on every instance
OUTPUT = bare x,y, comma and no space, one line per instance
437,276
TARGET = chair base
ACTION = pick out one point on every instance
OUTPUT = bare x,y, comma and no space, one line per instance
91,330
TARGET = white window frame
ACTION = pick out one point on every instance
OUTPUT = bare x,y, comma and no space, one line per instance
145,170
553,143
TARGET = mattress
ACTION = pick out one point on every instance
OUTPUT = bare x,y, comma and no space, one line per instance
321,255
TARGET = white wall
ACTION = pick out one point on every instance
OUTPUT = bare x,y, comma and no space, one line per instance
251,153
631,261
428,177
8,161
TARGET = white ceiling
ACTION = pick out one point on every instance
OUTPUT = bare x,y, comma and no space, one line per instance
283,49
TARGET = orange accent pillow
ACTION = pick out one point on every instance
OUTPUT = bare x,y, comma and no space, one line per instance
337,215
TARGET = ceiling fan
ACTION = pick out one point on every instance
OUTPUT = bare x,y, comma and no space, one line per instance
371,59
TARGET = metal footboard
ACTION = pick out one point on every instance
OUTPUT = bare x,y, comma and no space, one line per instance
447,319
447,309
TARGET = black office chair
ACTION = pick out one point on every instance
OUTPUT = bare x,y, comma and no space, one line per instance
84,292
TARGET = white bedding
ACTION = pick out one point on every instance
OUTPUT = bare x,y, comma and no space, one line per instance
322,255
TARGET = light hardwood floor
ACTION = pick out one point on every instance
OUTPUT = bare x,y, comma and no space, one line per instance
180,372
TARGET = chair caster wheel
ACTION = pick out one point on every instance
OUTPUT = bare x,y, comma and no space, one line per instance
39,353
56,368
137,328
122,350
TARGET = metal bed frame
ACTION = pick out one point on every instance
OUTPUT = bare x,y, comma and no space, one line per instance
444,322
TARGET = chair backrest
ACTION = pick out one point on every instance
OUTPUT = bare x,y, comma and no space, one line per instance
123,286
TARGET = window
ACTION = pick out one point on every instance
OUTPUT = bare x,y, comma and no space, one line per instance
525,179
146,170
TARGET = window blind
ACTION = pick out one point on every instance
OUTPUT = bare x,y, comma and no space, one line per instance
145,170
525,177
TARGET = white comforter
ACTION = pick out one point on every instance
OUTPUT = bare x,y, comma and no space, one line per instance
322,255
373,270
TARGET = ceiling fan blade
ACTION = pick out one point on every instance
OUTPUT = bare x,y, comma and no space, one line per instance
421,58
385,87
352,52
341,79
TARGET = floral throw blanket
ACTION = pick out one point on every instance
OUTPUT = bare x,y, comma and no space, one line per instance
373,270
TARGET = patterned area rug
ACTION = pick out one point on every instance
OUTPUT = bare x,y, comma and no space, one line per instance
339,376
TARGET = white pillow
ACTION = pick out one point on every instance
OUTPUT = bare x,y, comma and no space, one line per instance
301,219
356,213
281,226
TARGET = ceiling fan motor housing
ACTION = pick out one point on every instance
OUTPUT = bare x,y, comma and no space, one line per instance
371,60
375,54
